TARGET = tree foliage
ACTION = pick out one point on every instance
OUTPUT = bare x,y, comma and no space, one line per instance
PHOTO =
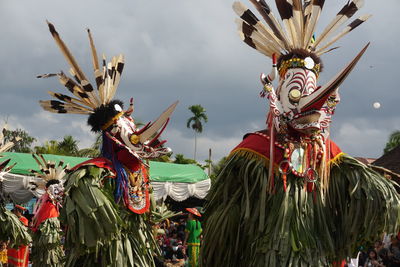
68,147
394,141
180,159
199,115
195,122
93,151
24,145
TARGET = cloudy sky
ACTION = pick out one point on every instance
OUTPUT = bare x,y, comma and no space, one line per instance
189,51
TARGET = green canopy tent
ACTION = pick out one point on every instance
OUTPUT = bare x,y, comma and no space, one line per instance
176,181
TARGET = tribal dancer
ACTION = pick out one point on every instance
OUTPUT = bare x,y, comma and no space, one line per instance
19,256
13,226
46,246
107,199
288,196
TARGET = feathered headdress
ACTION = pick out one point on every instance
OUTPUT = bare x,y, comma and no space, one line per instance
293,45
49,171
86,99
299,19
98,104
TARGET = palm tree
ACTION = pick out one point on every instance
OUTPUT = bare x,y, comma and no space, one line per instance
49,147
69,146
93,151
394,141
195,122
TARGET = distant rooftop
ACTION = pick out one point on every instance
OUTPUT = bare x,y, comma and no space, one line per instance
390,160
366,161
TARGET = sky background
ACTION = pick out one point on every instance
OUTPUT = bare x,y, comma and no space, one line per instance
189,51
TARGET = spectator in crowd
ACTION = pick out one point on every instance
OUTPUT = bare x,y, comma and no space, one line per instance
3,254
394,252
382,252
193,237
174,256
170,241
373,260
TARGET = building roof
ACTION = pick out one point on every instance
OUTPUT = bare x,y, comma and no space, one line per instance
366,161
390,160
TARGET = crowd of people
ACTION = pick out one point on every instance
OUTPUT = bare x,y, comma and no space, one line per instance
385,253
180,239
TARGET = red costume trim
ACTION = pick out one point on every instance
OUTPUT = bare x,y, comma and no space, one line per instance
47,210
259,143
132,165
99,162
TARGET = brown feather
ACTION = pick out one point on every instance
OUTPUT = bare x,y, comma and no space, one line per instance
95,59
354,24
342,16
269,17
65,51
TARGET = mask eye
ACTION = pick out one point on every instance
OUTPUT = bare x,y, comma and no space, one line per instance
295,95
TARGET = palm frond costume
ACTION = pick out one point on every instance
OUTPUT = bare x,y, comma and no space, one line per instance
107,199
46,246
11,228
288,196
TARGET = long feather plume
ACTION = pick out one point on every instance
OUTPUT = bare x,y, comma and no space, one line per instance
270,19
349,28
73,101
116,67
285,10
245,14
342,16
249,35
95,59
65,51
316,8
96,67
298,16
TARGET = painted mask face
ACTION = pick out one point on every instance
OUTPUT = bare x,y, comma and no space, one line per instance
297,84
298,103
56,192
143,142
